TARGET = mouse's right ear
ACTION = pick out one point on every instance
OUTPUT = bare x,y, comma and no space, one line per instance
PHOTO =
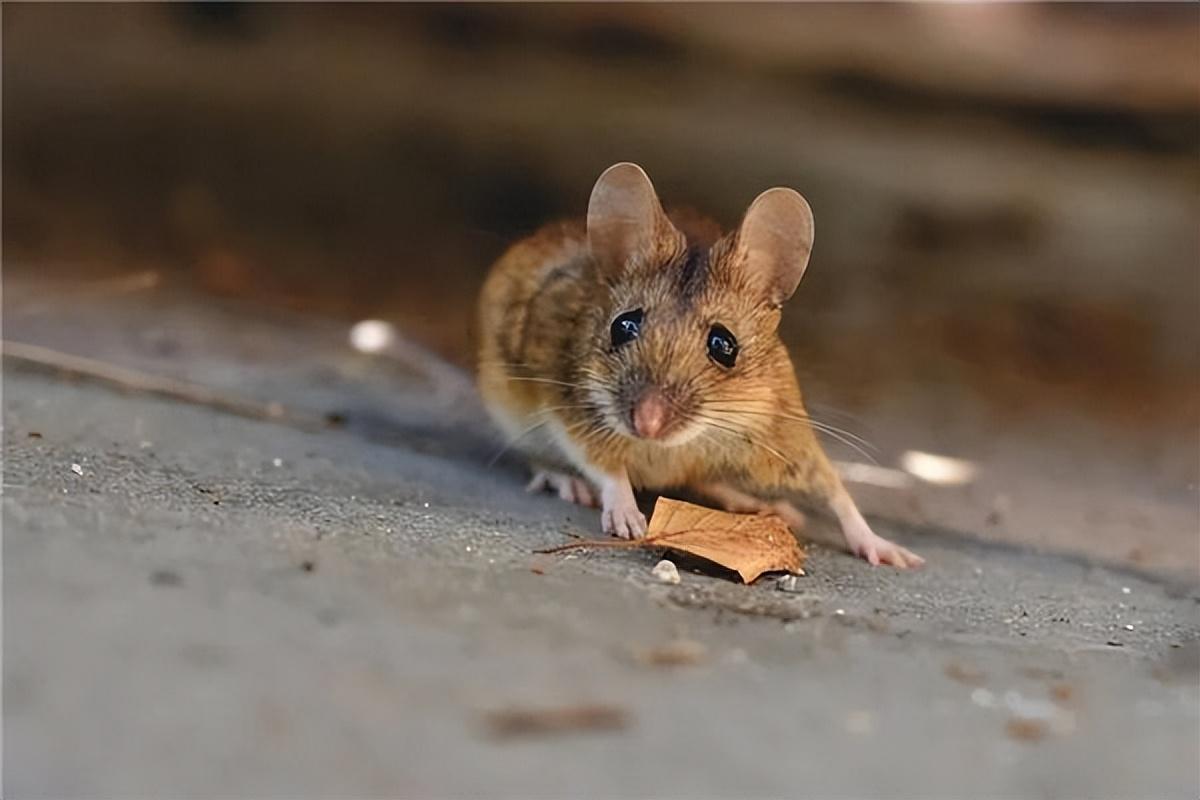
626,224
775,240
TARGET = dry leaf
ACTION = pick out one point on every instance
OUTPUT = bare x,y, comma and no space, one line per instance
749,544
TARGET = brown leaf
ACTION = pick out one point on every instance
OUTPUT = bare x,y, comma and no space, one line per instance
749,544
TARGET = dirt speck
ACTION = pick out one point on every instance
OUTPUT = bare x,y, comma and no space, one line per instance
165,577
1026,730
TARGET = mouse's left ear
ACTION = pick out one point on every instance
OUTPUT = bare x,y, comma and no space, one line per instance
775,240
626,225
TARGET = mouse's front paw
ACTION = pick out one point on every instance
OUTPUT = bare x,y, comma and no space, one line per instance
624,520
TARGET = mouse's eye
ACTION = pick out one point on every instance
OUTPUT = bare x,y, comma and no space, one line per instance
722,346
626,327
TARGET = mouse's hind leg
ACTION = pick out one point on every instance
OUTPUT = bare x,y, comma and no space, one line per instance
739,502
571,488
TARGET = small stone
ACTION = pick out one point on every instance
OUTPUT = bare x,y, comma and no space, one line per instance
1125,590
78,470
787,583
1128,627
278,462
666,572
841,612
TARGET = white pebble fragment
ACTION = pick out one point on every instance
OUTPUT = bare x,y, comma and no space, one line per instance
840,612
666,572
1125,590
1128,627
372,335
277,462
78,470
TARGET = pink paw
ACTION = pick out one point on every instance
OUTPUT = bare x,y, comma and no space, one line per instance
877,550
624,520
568,487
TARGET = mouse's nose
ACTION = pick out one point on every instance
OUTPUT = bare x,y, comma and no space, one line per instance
651,414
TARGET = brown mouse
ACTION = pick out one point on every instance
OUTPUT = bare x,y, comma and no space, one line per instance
639,350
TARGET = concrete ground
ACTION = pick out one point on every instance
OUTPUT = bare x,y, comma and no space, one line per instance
203,605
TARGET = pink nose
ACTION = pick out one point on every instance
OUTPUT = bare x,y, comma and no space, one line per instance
651,415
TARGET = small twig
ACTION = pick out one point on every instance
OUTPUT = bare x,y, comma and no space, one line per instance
131,380
620,544
625,544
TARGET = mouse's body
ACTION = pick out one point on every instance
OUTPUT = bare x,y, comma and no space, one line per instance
635,350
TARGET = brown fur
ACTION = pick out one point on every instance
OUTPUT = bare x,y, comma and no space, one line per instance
546,359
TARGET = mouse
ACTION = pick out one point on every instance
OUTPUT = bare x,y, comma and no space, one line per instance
637,349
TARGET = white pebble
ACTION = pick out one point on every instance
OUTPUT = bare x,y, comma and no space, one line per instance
666,572
78,470
840,612
1124,590
1128,627
278,462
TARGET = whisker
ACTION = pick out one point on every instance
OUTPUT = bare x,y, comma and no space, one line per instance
744,434
818,424
545,380
540,412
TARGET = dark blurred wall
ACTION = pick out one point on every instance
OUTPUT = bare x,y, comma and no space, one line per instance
1006,195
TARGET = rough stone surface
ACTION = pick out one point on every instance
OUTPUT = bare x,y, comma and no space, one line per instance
220,606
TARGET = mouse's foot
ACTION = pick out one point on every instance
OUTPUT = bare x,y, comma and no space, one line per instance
621,516
738,502
625,522
867,544
568,487
877,550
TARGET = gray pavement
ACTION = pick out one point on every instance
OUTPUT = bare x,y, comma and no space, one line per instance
225,607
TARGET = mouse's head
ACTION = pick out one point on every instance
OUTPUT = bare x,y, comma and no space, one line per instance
681,331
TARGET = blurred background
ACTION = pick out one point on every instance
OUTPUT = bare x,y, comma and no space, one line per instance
1006,265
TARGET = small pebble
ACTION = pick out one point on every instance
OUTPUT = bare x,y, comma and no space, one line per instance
1124,590
1128,627
278,462
840,612
78,470
666,572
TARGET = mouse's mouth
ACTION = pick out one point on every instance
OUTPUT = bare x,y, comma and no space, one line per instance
654,415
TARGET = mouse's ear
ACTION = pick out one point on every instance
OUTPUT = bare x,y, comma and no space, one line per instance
625,222
775,240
